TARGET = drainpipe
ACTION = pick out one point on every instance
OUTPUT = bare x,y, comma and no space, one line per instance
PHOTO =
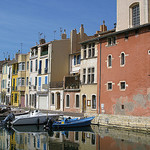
99,98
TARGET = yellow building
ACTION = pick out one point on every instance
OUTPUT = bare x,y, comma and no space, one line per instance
22,78
14,93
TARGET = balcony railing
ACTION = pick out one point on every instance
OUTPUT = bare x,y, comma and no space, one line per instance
72,82
44,52
56,84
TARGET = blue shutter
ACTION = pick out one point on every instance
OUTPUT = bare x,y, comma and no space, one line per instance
74,59
39,81
45,79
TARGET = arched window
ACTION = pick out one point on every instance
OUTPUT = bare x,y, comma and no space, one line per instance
135,14
122,61
93,102
67,100
53,100
109,61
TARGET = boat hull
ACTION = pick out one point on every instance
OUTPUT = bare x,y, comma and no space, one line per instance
75,123
33,120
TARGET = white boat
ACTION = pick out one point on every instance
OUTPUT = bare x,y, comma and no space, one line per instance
34,118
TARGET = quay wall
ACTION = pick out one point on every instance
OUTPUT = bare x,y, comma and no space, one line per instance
121,121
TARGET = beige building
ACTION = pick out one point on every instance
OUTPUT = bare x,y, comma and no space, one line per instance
131,13
4,87
22,77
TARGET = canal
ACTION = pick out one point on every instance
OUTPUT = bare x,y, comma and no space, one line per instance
90,138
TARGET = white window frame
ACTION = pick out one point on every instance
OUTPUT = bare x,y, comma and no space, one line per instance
107,85
22,66
108,61
92,102
126,85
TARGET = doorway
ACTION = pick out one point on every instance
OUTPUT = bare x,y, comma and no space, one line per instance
58,101
84,103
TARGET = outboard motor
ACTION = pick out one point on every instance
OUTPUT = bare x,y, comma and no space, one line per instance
9,118
49,124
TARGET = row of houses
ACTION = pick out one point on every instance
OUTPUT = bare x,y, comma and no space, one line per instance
107,72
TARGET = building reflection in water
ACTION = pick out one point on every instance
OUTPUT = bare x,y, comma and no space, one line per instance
99,138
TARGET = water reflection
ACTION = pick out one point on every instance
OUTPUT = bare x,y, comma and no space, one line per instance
94,138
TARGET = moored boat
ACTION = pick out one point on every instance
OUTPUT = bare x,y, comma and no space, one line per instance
34,118
6,110
73,123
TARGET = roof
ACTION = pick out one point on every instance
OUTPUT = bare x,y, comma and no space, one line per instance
116,33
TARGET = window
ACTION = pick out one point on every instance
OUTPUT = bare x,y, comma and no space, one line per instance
67,100
53,98
93,102
21,81
111,41
46,65
109,86
109,61
40,66
84,52
89,51
78,59
35,81
30,66
22,66
92,78
77,100
93,49
84,55
27,65
27,80
39,81
122,61
123,85
135,15
74,59
15,98
46,80
36,65
84,75
90,75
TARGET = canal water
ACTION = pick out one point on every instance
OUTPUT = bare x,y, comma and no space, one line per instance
91,138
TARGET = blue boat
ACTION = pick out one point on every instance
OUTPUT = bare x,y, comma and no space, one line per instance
73,123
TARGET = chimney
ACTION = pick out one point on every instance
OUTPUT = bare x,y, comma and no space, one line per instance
8,57
103,28
64,35
81,32
42,41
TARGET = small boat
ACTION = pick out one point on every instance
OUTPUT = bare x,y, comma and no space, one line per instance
73,123
6,110
34,118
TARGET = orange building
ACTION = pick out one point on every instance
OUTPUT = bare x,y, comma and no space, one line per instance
124,72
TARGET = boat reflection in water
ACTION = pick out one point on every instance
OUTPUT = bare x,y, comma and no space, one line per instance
94,138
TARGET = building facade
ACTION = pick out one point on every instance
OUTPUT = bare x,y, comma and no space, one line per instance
131,13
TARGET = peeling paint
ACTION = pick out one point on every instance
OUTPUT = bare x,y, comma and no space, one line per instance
140,100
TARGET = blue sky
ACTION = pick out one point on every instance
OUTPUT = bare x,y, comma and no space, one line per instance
22,20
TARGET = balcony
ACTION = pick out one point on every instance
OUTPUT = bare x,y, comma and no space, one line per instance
56,84
72,82
44,50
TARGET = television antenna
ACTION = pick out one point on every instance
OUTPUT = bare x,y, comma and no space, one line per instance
54,34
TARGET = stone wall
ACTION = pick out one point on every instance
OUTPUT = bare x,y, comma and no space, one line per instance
120,121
